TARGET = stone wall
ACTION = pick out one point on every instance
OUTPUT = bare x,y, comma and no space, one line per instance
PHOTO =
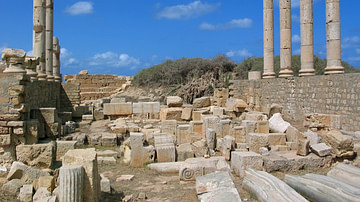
93,87
326,94
69,95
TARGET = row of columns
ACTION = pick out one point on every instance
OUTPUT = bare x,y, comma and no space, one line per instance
45,45
333,37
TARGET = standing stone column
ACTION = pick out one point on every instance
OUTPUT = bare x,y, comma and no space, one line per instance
71,183
285,39
56,59
268,40
39,37
307,38
49,39
333,38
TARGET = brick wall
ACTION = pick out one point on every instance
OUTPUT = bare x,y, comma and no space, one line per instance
326,94
93,87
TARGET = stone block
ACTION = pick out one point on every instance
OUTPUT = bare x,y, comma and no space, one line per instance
106,160
342,145
320,149
211,122
26,193
218,111
165,148
37,155
196,115
255,116
49,114
292,145
303,147
183,134
63,146
24,173
224,128
94,139
277,139
186,114
228,146
236,105
12,186
98,114
118,100
174,101
32,132
47,182
239,133
88,159
257,140
168,167
262,126
292,134
42,194
88,117
5,140
250,126
184,151
137,150
197,126
275,108
277,124
201,102
171,113
240,161
313,137
118,109
211,138
105,184
109,139
170,127
200,148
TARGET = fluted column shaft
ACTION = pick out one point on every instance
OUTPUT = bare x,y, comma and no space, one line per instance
285,39
56,59
333,38
49,39
307,38
39,36
268,39
71,183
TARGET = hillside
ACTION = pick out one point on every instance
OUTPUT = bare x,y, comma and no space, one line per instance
195,77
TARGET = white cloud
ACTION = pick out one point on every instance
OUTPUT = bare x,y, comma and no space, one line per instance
238,53
2,47
354,39
357,50
66,59
354,59
296,38
112,59
80,8
235,23
194,9
30,52
295,18
297,52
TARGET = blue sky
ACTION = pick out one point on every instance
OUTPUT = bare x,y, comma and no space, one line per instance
124,36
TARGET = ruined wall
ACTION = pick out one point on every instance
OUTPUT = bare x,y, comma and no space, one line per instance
326,94
93,87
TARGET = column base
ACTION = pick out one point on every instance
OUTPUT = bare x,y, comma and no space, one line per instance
307,72
50,78
334,70
268,75
285,73
41,77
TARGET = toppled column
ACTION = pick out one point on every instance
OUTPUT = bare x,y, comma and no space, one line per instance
14,59
307,38
285,39
56,60
49,39
333,38
39,37
30,65
71,183
268,40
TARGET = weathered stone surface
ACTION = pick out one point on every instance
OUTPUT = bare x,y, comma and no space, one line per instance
106,160
236,105
224,128
320,149
257,140
275,108
171,113
277,124
194,167
228,146
37,155
88,159
186,114
262,127
105,184
118,109
137,150
201,102
183,134
71,183
63,146
303,147
218,111
125,178
42,194
108,139
197,126
255,116
25,173
322,121
196,115
200,148
250,126
240,161
346,173
292,134
211,122
26,193
168,167
313,137
342,145
216,186
13,186
184,151
45,181
277,138
211,138
269,188
165,148
174,101
322,188
239,133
